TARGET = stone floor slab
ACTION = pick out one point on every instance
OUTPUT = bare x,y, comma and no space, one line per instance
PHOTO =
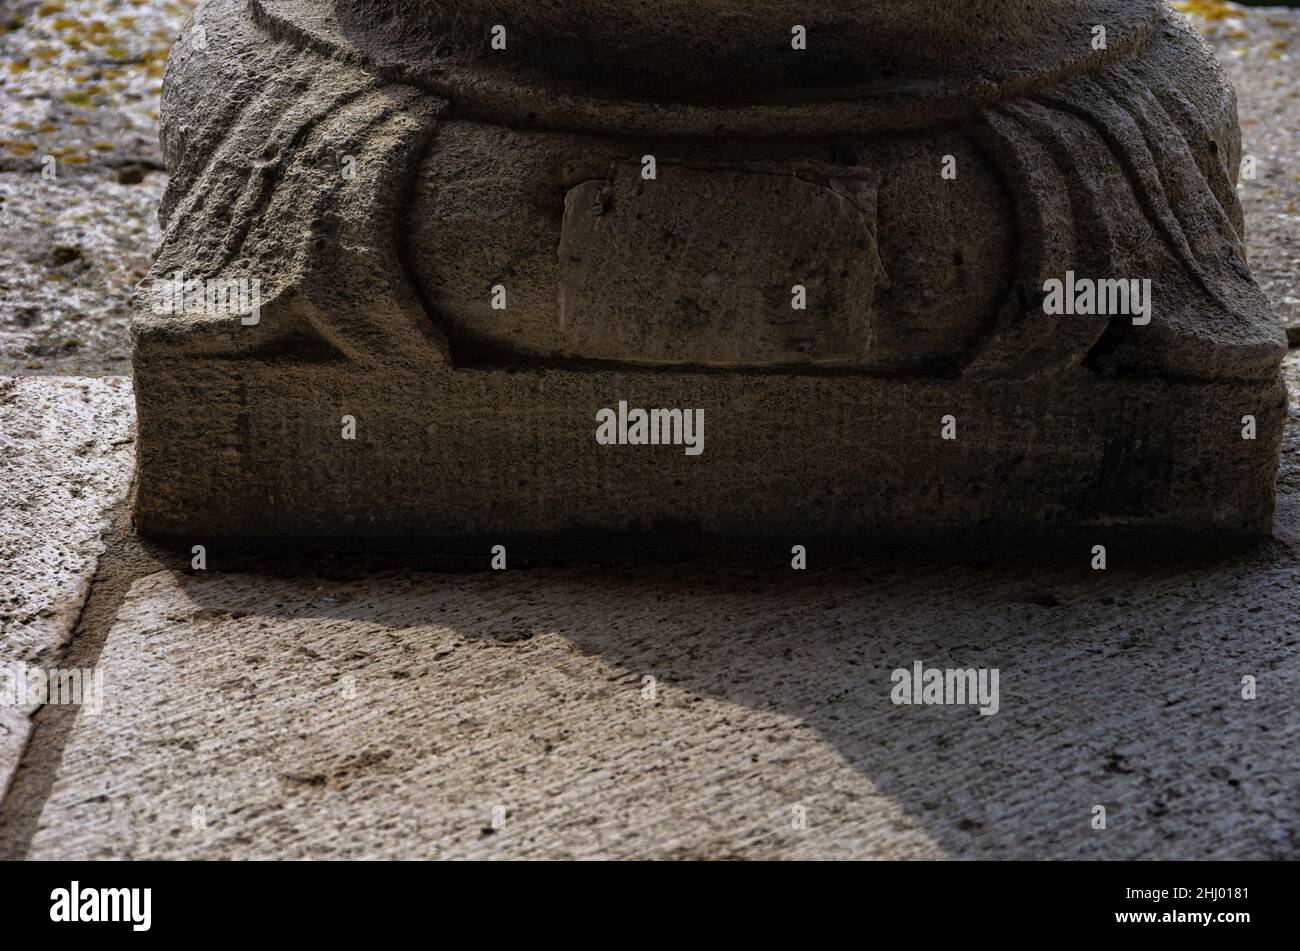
65,460
508,714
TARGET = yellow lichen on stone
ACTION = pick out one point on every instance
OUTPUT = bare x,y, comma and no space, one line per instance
1206,9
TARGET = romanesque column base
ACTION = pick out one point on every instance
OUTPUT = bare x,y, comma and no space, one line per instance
994,290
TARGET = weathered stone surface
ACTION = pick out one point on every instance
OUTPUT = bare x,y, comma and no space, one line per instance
505,457
1260,51
673,63
74,250
65,461
78,99
694,300
913,290
383,208
1256,46
390,717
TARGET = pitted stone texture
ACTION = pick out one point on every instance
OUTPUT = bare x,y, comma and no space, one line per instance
1260,52
65,460
697,265
81,86
391,717
74,250
695,298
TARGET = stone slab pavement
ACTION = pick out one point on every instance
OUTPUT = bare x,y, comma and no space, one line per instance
65,461
511,714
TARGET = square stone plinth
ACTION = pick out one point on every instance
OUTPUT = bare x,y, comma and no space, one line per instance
256,450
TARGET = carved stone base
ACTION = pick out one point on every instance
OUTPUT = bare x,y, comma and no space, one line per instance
459,249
